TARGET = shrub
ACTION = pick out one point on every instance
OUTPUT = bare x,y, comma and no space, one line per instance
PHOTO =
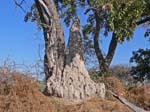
141,71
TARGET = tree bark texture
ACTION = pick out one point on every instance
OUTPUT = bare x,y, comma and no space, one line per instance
54,37
65,71
104,62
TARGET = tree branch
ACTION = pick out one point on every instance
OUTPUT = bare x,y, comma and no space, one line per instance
143,21
111,50
20,5
96,38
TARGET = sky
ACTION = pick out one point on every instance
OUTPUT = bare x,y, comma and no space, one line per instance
20,40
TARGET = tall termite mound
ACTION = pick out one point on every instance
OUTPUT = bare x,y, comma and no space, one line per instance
65,71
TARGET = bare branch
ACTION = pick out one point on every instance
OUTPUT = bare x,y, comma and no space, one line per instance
143,21
20,4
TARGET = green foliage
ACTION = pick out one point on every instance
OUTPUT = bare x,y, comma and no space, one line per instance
118,16
142,60
33,16
95,77
87,29
67,10
123,17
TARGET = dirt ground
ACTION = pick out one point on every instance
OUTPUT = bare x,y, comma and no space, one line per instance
95,105
19,93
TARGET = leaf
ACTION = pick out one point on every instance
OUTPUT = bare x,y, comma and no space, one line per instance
27,16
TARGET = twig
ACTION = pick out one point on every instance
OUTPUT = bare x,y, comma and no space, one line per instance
20,5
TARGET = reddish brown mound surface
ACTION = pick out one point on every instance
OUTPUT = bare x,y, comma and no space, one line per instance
140,96
96,105
23,96
115,85
110,104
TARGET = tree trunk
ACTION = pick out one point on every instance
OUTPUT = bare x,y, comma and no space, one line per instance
65,72
104,62
104,65
54,37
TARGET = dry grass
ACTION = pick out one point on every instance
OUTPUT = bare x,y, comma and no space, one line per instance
140,96
114,84
96,105
20,93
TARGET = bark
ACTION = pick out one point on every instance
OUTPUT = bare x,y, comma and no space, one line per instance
54,37
111,50
101,60
104,62
65,71
147,19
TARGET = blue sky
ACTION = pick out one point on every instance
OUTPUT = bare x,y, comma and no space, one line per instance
20,40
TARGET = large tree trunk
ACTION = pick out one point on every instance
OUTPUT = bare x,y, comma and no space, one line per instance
65,72
54,37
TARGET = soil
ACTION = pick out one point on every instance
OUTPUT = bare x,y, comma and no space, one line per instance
20,93
96,105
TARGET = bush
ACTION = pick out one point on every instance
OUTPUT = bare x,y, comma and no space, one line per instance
141,71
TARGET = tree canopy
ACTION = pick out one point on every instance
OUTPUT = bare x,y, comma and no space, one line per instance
119,17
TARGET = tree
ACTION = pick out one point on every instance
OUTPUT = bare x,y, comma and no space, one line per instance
119,18
141,59
53,35
111,16
64,68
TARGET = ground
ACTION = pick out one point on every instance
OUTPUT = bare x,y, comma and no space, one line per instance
20,93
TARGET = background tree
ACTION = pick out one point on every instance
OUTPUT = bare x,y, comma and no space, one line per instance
141,70
116,17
